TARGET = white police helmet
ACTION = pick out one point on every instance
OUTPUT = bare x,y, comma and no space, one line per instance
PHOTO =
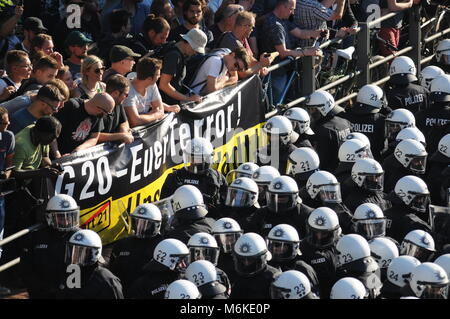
383,250
226,231
354,149
440,89
182,289
203,246
146,220
279,126
419,244
348,288
198,155
413,191
428,74
62,213
244,170
367,173
300,120
282,194
84,248
429,281
320,101
263,176
322,227
187,203
402,70
442,153
370,99
325,185
352,247
369,221
444,262
400,268
396,121
242,192
250,254
443,52
412,133
358,136
302,161
283,242
412,155
201,272
172,253
291,284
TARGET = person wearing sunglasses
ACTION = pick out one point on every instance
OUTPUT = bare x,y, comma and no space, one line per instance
18,67
92,70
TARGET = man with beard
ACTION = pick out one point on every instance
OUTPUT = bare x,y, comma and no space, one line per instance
82,122
77,46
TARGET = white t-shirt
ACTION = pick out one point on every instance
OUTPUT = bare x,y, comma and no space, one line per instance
211,67
142,103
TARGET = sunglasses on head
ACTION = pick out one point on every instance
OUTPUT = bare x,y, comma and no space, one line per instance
236,11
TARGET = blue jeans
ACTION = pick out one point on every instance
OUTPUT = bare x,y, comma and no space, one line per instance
279,79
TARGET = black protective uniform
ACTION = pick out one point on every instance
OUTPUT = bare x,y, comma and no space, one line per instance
242,215
97,282
324,262
390,291
128,257
213,290
401,219
279,160
153,283
256,286
42,264
438,114
355,196
371,125
226,263
304,140
393,171
183,229
435,177
412,97
434,136
212,184
265,219
330,132
343,172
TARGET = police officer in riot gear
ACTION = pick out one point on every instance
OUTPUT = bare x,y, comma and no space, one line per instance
438,114
428,74
365,185
244,170
419,244
283,243
398,275
189,214
318,248
348,288
204,275
284,206
383,250
168,262
301,124
428,281
302,162
439,161
198,157
410,199
182,289
130,254
84,250
241,202
400,90
262,177
355,260
323,189
443,55
366,116
349,152
329,126
410,157
369,221
292,284
254,274
42,264
396,121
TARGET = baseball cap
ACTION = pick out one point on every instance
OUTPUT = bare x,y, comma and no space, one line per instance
197,39
77,38
121,52
34,24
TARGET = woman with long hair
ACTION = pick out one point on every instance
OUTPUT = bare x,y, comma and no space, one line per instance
91,81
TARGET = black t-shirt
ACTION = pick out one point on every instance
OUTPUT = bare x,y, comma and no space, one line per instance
77,125
112,122
173,64
175,34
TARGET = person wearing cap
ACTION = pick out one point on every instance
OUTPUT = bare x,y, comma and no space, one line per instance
122,61
173,70
32,26
77,47
226,23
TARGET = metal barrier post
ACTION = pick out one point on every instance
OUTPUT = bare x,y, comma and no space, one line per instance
307,76
363,51
415,34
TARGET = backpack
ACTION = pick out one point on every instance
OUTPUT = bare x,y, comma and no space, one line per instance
195,63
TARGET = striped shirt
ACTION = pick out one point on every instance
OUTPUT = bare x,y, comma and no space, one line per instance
311,15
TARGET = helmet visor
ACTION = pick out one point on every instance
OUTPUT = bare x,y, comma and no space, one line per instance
371,228
249,265
239,198
144,228
434,291
418,164
411,249
227,241
374,182
279,292
391,129
79,255
445,57
281,250
64,221
232,175
197,163
330,193
181,262
420,202
281,202
321,238
210,254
